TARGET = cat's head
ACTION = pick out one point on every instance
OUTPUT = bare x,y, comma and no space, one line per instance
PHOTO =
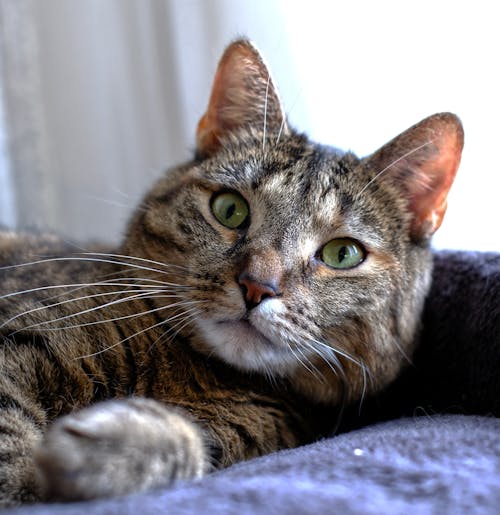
295,260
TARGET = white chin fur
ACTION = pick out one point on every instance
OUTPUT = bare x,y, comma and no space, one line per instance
256,346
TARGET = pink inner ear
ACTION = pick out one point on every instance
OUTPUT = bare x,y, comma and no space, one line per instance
432,182
230,99
242,95
216,119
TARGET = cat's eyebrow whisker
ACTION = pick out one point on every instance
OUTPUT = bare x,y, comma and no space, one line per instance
282,126
97,308
396,161
265,115
132,336
284,117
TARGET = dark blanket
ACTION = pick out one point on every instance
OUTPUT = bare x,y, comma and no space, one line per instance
456,368
420,464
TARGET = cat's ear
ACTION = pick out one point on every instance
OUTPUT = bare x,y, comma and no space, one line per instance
243,95
422,163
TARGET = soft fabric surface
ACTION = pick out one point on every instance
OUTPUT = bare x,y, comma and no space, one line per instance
436,465
426,464
456,368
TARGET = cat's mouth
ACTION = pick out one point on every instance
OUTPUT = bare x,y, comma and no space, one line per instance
256,341
243,343
246,330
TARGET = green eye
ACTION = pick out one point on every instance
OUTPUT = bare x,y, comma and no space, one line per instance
230,209
342,253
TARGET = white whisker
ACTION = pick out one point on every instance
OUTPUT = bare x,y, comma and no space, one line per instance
132,336
98,308
329,359
156,286
282,126
76,299
307,364
89,259
396,161
85,285
135,258
339,352
363,392
265,115
364,369
284,117
190,316
111,202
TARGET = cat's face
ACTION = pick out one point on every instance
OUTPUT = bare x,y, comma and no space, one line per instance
293,259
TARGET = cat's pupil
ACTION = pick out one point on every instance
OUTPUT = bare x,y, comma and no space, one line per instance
230,211
342,254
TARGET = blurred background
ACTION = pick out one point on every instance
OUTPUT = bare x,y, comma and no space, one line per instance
99,97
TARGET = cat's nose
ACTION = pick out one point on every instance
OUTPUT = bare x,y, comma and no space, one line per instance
255,291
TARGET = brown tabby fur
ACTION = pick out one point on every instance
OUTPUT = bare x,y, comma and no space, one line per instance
199,377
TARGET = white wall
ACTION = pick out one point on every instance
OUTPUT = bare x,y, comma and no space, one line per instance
371,69
121,85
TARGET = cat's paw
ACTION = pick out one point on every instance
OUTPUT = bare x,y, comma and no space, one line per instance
118,447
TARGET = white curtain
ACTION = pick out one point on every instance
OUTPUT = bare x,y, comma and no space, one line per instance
23,158
86,89
7,206
98,97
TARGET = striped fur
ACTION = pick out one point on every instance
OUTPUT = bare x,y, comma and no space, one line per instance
127,369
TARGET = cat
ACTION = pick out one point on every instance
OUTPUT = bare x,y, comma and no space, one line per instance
259,289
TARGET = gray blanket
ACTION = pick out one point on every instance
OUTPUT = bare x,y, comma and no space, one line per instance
424,463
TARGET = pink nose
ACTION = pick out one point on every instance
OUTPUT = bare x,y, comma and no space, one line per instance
254,291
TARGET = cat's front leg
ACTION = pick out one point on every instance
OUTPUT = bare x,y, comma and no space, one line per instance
20,432
119,447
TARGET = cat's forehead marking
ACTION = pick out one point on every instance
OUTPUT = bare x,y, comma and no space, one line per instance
308,246
274,183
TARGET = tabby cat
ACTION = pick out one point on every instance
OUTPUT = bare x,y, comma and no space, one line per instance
259,289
